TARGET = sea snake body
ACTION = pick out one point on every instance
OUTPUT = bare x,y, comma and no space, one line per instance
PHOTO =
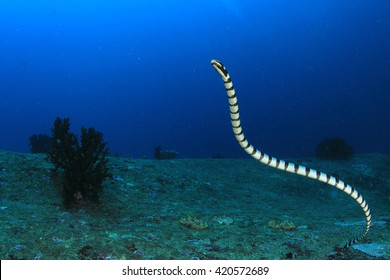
281,164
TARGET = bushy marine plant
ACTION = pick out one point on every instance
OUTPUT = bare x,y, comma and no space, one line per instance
39,143
84,163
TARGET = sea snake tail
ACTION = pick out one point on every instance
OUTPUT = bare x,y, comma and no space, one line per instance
281,164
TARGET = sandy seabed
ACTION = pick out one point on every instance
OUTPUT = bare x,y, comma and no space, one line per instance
195,209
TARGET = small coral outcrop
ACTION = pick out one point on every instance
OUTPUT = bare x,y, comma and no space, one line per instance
193,223
83,164
334,149
164,154
281,225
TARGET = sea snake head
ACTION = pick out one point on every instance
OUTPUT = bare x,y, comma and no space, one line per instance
218,66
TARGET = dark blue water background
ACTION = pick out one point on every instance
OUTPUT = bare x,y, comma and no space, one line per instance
139,71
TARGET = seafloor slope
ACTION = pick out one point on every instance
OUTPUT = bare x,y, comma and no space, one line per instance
195,209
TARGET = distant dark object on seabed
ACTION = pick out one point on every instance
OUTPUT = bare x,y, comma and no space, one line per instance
39,143
218,156
164,154
334,149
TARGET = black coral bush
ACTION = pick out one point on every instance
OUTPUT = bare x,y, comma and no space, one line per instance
84,163
39,143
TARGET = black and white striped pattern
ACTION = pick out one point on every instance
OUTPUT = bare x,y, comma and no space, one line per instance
281,164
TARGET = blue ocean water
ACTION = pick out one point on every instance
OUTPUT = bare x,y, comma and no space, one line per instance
139,71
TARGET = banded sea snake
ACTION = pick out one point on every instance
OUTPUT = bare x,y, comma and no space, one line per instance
281,164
